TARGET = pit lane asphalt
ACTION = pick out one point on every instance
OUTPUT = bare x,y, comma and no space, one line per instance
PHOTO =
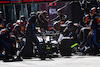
69,61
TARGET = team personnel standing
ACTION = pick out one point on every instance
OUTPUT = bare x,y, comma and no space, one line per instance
30,38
